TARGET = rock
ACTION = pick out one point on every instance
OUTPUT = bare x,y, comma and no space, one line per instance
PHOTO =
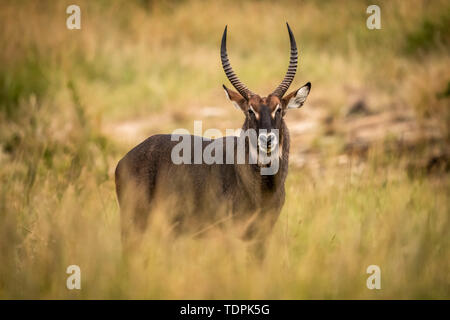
359,108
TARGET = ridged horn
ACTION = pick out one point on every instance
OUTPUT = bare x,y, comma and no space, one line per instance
290,74
240,87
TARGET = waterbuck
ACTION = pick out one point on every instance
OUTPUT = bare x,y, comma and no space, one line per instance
201,195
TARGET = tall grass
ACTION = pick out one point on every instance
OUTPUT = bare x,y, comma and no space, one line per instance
65,96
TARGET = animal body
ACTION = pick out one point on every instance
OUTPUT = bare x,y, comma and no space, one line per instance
199,195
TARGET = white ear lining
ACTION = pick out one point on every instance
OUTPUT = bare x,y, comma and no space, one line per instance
303,92
299,98
235,104
226,93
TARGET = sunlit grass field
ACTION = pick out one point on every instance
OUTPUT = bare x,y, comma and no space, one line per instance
362,190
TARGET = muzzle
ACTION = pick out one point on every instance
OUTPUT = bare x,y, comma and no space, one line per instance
267,141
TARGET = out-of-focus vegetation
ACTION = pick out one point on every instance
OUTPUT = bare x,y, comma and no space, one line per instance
369,175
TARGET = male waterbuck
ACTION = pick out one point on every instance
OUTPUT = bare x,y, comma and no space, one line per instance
201,195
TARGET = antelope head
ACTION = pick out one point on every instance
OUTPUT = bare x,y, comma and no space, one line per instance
264,114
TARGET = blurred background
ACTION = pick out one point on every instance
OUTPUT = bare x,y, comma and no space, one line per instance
369,162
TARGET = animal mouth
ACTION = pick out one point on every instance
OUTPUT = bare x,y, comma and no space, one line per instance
267,142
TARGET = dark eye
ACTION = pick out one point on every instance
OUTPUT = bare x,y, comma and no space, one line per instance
251,112
279,111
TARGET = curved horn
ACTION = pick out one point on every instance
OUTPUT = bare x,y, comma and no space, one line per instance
290,74
240,87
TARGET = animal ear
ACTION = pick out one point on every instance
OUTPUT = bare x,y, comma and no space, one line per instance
236,99
295,99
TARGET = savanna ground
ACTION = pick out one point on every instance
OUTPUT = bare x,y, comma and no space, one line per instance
369,170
